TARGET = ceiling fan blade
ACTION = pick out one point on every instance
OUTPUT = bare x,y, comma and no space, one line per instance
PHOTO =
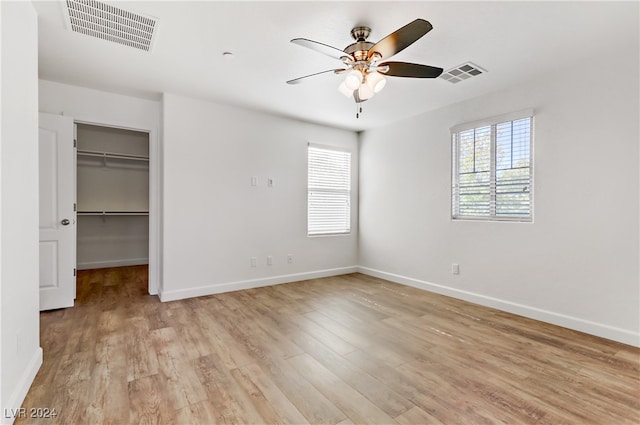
320,47
401,39
299,80
413,70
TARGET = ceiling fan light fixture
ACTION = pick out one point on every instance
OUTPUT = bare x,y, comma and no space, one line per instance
346,91
353,79
365,92
376,81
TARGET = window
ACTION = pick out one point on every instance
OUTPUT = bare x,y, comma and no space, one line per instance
492,169
329,191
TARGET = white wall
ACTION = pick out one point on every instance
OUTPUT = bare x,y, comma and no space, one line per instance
99,107
215,221
20,353
577,264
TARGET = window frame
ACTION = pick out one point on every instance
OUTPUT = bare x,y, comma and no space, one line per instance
491,122
348,191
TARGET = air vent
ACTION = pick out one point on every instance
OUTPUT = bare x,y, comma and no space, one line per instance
101,20
462,72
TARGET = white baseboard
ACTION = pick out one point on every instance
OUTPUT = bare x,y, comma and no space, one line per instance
598,329
12,409
200,291
112,263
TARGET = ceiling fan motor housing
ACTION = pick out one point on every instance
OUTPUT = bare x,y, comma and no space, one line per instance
360,48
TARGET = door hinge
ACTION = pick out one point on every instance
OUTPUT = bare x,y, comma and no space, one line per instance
74,207
74,271
75,143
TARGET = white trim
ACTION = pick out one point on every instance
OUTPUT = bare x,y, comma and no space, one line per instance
112,263
22,388
203,290
329,147
598,329
512,116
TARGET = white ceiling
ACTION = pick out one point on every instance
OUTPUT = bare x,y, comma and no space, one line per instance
513,41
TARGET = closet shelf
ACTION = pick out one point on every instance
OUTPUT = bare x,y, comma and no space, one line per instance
113,213
113,155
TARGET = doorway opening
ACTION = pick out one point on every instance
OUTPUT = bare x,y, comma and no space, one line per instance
112,195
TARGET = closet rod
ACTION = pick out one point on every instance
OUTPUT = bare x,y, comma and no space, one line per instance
113,155
104,213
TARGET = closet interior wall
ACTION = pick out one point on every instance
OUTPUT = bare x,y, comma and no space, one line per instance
112,197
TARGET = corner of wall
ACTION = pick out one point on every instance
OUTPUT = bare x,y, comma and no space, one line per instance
200,291
13,411
359,139
20,353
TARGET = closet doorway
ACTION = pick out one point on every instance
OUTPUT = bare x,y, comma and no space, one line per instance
112,193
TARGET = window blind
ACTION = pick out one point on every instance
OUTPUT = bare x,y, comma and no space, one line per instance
492,172
329,191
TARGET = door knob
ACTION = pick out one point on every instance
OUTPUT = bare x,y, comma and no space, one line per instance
65,222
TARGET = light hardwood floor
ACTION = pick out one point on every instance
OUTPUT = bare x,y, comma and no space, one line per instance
349,349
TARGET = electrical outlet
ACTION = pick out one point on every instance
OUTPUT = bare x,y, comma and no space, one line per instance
254,181
290,258
455,268
269,260
254,262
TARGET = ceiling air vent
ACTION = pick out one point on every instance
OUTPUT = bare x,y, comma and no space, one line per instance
101,20
462,72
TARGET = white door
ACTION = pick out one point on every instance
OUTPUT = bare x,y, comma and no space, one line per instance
57,212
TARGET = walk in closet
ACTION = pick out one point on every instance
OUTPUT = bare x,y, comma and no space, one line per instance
112,197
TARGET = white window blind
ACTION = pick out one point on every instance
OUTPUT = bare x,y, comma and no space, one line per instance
492,171
329,191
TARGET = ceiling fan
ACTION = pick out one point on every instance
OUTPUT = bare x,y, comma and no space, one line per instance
362,60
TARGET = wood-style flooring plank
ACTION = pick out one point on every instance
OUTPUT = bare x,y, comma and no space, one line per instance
105,401
374,390
346,398
197,413
315,407
179,378
231,404
149,401
142,359
273,406
415,415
